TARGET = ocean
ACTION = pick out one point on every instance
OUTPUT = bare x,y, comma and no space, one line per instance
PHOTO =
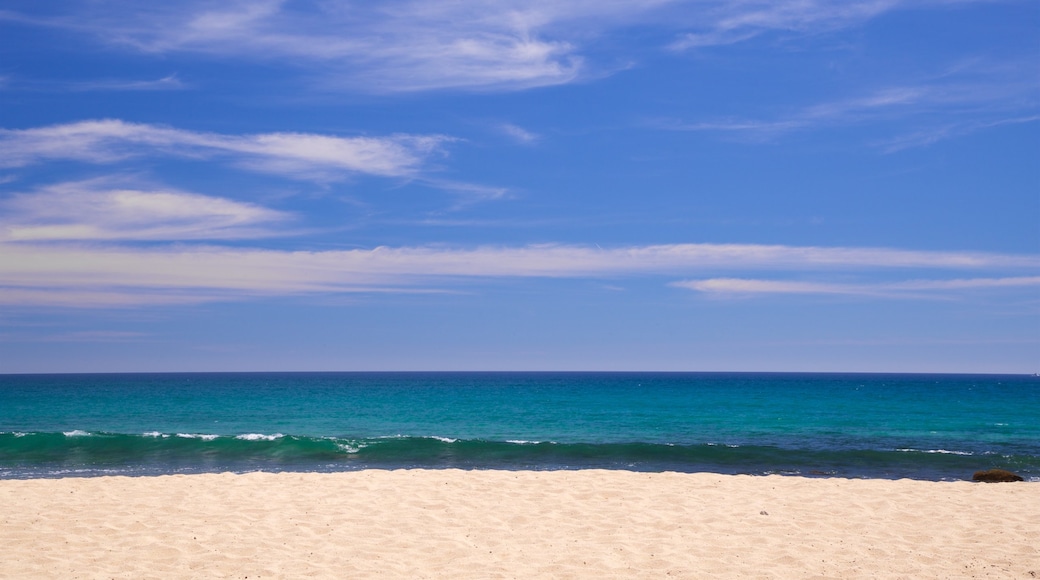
929,427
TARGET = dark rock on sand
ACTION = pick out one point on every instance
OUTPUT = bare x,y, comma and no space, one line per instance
995,475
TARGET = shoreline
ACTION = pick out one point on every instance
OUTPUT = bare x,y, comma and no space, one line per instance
13,475
503,523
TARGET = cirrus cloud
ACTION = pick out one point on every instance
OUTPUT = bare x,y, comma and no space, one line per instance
181,273
901,289
417,45
102,210
298,155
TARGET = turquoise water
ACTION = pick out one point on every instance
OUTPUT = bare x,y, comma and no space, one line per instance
856,425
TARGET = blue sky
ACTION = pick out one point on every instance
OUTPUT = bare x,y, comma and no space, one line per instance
744,185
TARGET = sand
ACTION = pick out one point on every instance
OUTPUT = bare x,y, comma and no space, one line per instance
502,524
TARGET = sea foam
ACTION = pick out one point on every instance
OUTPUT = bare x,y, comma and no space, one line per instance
203,436
259,437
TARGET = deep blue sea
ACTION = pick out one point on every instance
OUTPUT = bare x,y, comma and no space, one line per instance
932,427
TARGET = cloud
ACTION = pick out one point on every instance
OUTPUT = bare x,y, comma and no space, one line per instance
968,99
415,45
905,289
72,298
374,47
732,22
98,210
932,135
167,83
518,134
879,104
725,22
182,274
469,191
298,155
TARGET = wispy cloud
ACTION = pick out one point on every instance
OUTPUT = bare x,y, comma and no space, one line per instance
101,210
118,298
903,289
737,21
468,192
968,99
298,155
412,45
880,104
925,137
518,134
167,83
383,47
183,274
723,22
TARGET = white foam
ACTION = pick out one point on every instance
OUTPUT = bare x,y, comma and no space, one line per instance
351,448
941,451
522,442
442,439
259,437
155,434
204,437
76,433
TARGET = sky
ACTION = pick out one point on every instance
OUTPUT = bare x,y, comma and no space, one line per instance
670,185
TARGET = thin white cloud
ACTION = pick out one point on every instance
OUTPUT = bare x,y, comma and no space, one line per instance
412,45
300,155
884,103
207,273
469,191
969,99
904,289
740,20
167,83
72,298
519,134
932,135
98,210
380,47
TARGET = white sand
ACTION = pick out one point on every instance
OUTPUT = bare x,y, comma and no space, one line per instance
493,524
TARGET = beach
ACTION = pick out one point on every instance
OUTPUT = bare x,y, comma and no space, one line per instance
444,523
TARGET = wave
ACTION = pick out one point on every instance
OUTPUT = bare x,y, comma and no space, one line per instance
943,451
80,452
